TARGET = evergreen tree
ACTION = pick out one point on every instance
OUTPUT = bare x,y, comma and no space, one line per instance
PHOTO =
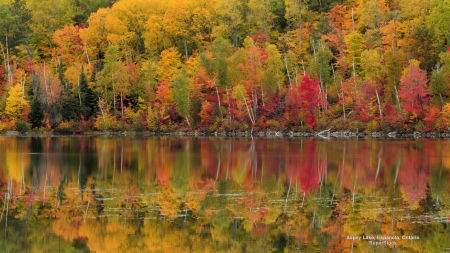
67,106
36,114
87,100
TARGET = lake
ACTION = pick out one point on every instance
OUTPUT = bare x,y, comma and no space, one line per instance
170,194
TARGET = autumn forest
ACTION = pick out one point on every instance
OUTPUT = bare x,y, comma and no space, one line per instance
221,65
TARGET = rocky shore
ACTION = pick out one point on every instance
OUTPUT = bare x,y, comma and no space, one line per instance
325,134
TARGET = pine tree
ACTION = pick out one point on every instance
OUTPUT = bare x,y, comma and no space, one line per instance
36,114
87,98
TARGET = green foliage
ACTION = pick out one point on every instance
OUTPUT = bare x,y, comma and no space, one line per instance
371,65
181,90
319,63
22,126
438,84
236,55
439,20
87,100
373,126
275,77
36,114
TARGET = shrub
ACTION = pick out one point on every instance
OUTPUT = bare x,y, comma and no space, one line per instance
373,126
6,125
356,126
420,126
108,122
340,124
65,126
22,126
273,124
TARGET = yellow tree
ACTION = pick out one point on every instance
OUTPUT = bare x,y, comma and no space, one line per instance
15,103
155,38
47,17
373,71
231,15
169,64
114,79
69,47
203,21
94,37
177,23
260,16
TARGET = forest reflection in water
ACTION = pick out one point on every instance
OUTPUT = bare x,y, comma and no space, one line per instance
168,194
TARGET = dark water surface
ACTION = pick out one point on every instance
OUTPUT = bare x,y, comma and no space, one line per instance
99,194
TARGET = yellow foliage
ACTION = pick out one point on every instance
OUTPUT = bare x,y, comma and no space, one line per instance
446,113
65,125
412,63
15,103
6,125
151,119
170,203
106,122
130,115
169,63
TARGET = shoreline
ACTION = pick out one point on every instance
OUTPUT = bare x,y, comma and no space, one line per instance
325,134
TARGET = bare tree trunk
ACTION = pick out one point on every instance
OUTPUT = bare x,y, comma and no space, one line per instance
101,109
10,81
343,101
189,124
379,105
353,21
228,97
87,56
5,62
79,91
255,103
287,69
185,47
22,82
248,109
121,104
398,100
218,98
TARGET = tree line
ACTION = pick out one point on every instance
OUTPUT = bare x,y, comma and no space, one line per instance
217,65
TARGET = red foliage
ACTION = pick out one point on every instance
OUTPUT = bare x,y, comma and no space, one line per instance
392,116
3,84
413,91
302,102
431,117
205,113
163,94
274,107
414,175
301,164
365,95
260,37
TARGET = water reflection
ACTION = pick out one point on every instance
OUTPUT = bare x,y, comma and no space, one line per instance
166,194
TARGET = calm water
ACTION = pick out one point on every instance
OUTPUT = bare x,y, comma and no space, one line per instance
86,194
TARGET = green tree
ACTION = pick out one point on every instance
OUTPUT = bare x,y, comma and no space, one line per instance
87,100
274,79
114,80
439,21
181,94
48,16
36,114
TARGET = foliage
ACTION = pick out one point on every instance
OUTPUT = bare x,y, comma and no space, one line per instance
15,103
36,114
413,91
22,126
244,63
